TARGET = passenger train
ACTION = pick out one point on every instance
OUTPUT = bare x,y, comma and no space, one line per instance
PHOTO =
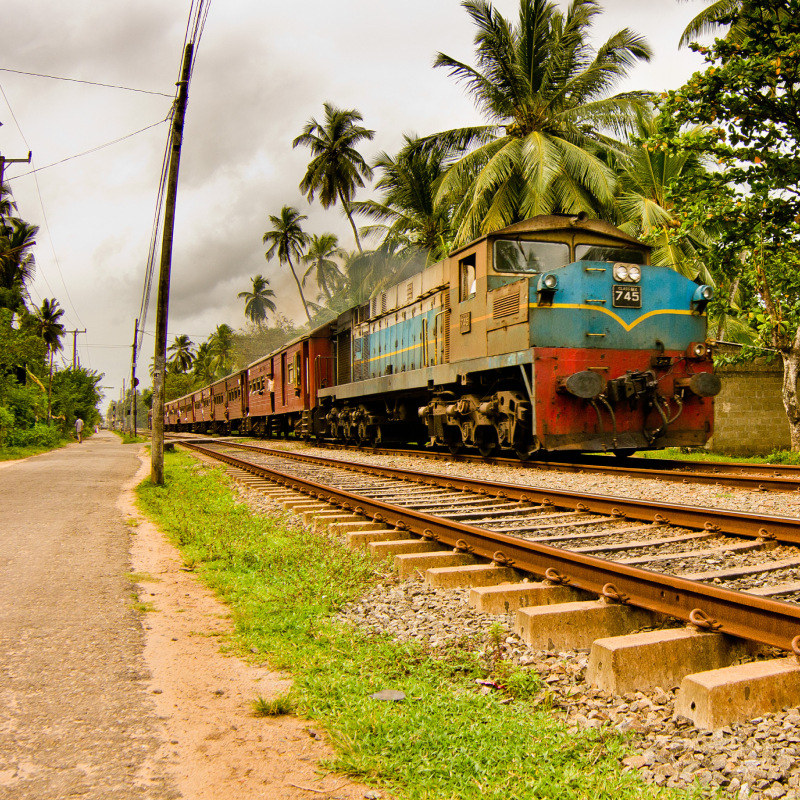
553,334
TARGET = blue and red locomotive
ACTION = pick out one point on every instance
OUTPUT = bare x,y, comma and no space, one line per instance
552,334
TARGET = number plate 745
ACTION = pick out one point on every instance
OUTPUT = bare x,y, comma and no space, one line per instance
626,296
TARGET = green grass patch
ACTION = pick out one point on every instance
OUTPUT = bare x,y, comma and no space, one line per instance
128,439
447,740
15,452
677,454
279,706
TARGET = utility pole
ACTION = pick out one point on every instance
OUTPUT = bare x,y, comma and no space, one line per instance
75,346
162,309
134,381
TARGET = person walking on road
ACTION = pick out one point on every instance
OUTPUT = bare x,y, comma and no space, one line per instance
79,428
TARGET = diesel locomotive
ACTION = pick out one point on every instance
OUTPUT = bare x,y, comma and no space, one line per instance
553,334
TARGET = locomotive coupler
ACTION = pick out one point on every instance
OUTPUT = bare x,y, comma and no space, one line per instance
632,386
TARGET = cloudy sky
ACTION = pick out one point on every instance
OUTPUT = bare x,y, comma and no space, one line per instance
262,70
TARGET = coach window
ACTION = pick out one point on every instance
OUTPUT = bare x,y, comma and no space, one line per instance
529,258
467,278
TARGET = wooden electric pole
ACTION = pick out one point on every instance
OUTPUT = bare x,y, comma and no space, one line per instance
75,346
162,308
134,381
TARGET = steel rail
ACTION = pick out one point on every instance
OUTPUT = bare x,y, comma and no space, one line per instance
759,619
687,472
762,526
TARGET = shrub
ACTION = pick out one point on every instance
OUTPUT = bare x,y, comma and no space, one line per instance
783,457
40,435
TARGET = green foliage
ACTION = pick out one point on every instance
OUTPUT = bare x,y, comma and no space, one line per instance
336,169
40,436
6,423
178,384
783,457
251,344
76,394
545,92
447,739
743,114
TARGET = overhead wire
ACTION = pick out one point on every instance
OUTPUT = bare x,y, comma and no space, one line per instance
195,25
76,80
90,151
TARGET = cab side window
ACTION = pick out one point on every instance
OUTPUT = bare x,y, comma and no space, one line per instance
467,278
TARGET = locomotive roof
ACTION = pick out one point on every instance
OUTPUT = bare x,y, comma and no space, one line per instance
558,222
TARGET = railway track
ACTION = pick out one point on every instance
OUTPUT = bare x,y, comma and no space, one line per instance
756,477
719,570
753,477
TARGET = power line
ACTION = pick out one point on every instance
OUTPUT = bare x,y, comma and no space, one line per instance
44,217
76,80
92,150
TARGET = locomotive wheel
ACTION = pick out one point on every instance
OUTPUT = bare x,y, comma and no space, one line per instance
453,440
526,446
375,437
486,441
625,452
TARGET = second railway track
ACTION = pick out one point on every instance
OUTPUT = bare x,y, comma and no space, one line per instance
719,570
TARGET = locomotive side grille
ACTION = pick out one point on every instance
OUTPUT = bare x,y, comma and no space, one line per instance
343,358
410,292
446,353
383,303
507,303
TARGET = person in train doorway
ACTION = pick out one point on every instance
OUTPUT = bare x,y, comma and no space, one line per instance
79,429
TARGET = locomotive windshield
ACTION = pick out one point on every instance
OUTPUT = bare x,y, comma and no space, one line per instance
528,258
599,252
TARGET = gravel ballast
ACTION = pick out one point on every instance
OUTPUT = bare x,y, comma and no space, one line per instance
757,759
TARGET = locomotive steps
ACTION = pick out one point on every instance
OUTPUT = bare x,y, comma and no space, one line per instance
560,617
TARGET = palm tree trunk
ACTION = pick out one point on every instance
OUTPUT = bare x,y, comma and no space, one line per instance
299,289
346,206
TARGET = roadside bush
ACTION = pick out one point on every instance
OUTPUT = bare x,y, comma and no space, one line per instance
40,435
783,457
6,423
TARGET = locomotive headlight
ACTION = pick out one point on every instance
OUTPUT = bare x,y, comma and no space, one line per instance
702,294
634,273
550,282
620,273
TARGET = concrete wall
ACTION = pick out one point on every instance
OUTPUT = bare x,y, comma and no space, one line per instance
749,417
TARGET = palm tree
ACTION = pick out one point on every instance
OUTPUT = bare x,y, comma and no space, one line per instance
17,265
321,252
51,331
257,303
408,213
644,209
545,92
288,239
220,345
336,169
182,353
709,20
203,366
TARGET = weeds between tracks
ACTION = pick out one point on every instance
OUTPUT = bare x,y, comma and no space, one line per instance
285,584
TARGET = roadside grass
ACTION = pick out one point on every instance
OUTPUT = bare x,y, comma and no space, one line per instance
700,455
128,439
15,453
447,740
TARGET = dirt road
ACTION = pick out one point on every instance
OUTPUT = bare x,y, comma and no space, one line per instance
100,700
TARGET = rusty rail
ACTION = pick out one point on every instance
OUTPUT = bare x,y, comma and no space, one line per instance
751,617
